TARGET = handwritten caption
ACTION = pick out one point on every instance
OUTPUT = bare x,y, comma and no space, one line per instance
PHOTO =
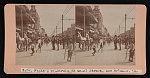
79,70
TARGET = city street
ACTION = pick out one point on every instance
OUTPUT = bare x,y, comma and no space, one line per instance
54,57
83,24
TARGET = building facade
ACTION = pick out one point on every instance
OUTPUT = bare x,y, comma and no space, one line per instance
85,19
24,21
36,17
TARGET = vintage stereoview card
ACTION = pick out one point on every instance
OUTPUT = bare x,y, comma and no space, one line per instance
75,39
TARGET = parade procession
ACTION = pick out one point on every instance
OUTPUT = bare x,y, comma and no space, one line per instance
75,35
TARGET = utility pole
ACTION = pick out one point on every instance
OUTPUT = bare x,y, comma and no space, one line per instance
125,22
21,21
62,32
56,30
119,29
84,21
62,28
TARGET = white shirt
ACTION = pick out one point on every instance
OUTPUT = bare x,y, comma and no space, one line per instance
39,41
101,41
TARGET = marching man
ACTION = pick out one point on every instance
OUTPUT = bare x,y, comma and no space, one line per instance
70,50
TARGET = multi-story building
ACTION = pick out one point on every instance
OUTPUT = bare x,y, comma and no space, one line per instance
24,21
99,17
36,17
85,19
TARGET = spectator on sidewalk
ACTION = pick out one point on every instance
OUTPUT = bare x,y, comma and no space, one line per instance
70,50
57,42
131,50
73,40
126,41
119,41
115,42
53,42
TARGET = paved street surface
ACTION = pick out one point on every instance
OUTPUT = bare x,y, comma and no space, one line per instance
54,57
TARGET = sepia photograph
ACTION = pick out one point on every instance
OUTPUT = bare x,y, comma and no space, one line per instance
75,35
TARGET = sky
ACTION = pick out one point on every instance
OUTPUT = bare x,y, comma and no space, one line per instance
113,16
50,17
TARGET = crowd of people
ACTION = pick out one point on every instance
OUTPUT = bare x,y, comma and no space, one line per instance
129,42
96,44
30,41
66,42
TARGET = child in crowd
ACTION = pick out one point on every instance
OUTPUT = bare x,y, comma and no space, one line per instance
94,49
32,49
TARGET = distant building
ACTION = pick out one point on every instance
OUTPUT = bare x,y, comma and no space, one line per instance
130,32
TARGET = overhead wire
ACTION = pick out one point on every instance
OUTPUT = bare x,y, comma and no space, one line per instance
67,7
68,10
131,16
64,13
130,12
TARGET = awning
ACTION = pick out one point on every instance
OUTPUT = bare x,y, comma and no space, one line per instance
29,31
92,31
17,29
78,28
27,19
29,28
